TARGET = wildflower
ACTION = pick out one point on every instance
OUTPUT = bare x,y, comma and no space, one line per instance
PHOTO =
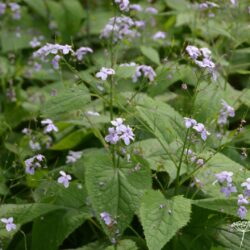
159,35
136,7
16,10
73,156
151,10
224,176
146,71
33,163
55,62
104,73
2,8
113,136
9,223
118,123
123,4
242,200
246,184
189,122
81,52
197,182
140,24
242,212
106,218
127,135
49,126
35,146
200,162
227,190
200,128
225,112
64,179
193,51
35,42
26,131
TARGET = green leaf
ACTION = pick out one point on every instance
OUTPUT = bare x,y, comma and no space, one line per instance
123,245
115,190
151,54
66,101
39,6
162,218
125,71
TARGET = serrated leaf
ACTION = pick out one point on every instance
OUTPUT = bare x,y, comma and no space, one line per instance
114,190
66,101
162,218
151,54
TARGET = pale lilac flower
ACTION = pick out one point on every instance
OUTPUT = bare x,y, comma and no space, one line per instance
2,8
200,162
193,51
159,35
206,52
113,136
55,62
33,163
242,212
35,42
242,200
64,179
146,71
140,24
205,63
92,113
49,126
106,218
127,135
9,223
136,7
200,128
197,182
37,66
104,73
151,10
246,184
189,122
73,156
225,112
26,131
227,190
123,4
117,122
224,176
35,146
81,52
16,10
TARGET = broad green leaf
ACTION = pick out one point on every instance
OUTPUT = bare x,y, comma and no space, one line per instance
179,5
123,245
116,190
125,71
39,6
151,54
162,218
66,101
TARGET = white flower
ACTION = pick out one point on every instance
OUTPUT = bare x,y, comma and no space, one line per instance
104,73
73,156
246,184
159,35
9,223
49,126
64,179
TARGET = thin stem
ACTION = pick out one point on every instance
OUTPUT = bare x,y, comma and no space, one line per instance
242,239
25,240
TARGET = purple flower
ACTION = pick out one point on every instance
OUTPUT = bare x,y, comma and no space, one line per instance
15,8
228,189
2,8
106,218
35,42
225,112
35,146
146,71
55,62
242,212
193,51
73,156
9,223
200,162
81,52
224,176
242,200
136,7
49,126
246,184
189,122
151,10
127,135
159,35
113,136
33,163
123,4
104,73
200,128
64,179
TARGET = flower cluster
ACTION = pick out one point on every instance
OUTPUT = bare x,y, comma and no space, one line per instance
104,73
202,58
225,112
120,27
33,163
146,71
14,8
9,223
36,41
64,179
50,127
198,127
208,5
193,158
118,132
73,156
